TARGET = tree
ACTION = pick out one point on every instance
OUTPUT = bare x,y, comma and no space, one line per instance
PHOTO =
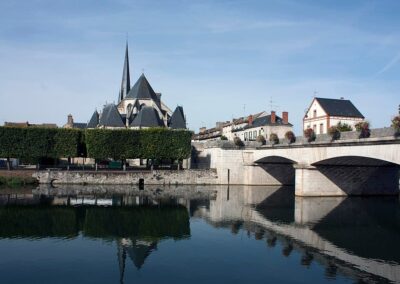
343,127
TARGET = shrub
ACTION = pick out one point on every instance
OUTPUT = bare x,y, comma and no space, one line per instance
237,141
309,134
223,137
396,124
334,132
363,128
261,139
343,127
273,138
290,137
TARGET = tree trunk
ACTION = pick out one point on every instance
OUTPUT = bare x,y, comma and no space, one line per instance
8,164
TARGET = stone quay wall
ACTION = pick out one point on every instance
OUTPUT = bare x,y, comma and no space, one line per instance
156,177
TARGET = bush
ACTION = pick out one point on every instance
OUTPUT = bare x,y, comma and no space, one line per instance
237,141
334,132
273,138
396,124
223,137
363,128
343,127
290,137
309,134
261,139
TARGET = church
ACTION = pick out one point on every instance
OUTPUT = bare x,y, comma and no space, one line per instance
138,107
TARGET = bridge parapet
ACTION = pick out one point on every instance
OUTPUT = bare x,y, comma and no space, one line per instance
378,135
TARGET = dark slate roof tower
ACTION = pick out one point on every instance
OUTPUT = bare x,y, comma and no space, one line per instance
142,90
94,120
177,120
110,117
147,117
126,80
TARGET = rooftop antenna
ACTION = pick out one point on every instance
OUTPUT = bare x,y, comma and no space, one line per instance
315,93
244,110
272,105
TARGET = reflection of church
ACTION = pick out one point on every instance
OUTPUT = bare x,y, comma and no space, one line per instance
137,250
138,107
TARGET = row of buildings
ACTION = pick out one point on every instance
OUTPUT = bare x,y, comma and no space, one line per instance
321,114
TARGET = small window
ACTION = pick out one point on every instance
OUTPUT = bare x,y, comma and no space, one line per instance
315,113
250,135
245,136
321,128
255,134
314,128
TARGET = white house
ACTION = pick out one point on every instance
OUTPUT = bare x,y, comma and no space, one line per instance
324,113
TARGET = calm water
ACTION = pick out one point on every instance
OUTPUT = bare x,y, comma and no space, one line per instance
188,235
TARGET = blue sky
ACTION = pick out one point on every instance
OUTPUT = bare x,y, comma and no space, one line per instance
219,59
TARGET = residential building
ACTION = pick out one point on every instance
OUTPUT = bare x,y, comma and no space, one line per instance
248,128
324,113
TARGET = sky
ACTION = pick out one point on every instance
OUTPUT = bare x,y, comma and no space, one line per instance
218,59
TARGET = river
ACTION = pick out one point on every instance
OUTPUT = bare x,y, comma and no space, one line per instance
195,234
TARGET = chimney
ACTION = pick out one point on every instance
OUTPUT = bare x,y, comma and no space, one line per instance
70,120
250,119
285,117
202,129
273,117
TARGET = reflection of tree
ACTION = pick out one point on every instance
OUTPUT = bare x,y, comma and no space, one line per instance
38,222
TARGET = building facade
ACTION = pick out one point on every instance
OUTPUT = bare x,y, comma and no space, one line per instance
248,128
324,113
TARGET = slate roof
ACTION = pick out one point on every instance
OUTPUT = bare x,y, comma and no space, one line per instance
94,120
111,117
79,125
264,121
177,120
142,90
335,107
147,117
125,83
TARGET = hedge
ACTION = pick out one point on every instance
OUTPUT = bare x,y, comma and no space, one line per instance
35,143
32,144
151,143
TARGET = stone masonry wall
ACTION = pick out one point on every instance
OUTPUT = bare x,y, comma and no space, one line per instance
158,177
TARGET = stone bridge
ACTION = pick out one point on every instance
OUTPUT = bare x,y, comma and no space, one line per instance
323,168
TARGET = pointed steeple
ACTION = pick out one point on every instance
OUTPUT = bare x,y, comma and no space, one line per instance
126,80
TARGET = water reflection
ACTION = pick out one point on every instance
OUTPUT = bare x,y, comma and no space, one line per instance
355,238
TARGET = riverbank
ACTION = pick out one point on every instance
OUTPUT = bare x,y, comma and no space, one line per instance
156,177
17,178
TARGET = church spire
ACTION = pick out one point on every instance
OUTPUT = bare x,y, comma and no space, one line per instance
126,81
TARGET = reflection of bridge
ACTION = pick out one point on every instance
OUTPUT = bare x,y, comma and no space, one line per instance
348,167
313,223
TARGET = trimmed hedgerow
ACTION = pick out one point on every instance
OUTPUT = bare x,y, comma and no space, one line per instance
151,143
35,143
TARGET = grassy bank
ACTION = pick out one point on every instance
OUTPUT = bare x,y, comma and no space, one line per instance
13,181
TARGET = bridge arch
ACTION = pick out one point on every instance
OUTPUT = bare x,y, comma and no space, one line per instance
279,168
352,160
